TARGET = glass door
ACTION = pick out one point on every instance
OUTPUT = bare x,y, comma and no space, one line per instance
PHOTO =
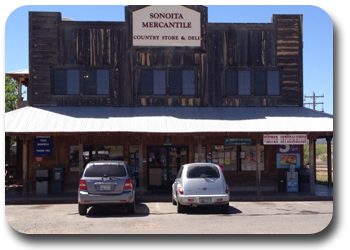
163,163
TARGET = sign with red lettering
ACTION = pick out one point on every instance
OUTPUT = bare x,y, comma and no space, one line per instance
298,139
39,159
166,25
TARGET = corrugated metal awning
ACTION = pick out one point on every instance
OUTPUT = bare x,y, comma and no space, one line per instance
167,119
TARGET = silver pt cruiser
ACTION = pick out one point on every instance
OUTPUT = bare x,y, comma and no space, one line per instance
199,184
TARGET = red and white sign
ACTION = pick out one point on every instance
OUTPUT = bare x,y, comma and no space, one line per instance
39,159
285,139
166,25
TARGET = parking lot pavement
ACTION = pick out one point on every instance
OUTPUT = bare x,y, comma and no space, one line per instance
162,218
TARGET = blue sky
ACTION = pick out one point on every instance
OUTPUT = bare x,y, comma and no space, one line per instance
317,36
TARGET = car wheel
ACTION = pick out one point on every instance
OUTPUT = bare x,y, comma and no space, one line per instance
131,207
180,208
82,209
225,207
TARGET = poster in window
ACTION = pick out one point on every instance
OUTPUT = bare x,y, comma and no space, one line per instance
227,161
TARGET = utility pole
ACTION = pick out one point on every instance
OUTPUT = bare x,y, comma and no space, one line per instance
314,103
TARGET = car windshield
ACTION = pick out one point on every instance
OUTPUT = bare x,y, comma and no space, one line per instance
106,170
203,172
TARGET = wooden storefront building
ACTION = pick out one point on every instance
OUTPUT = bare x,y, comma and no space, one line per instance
162,89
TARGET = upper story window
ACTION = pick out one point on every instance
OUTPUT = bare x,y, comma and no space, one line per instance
68,82
96,82
153,82
266,82
237,82
240,82
163,82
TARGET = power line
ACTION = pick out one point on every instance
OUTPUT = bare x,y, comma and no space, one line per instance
314,103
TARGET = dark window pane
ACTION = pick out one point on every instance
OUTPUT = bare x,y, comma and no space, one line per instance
146,82
60,82
203,172
244,82
100,170
273,83
231,83
73,82
188,82
159,82
102,82
260,83
89,83
175,82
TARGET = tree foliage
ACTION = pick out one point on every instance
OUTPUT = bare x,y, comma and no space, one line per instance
11,94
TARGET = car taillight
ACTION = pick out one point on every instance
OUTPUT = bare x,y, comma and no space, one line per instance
227,190
82,185
128,184
181,191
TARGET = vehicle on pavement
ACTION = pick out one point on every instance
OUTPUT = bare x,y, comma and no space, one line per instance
198,184
107,183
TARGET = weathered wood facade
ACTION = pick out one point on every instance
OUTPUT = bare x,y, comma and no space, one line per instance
56,44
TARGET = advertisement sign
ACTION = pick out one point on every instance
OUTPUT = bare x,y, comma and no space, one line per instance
166,25
43,146
238,141
284,160
299,139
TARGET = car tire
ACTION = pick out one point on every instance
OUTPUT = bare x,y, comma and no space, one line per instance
82,209
180,208
131,207
225,207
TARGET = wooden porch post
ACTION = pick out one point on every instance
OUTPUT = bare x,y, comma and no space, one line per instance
312,164
329,161
25,167
199,149
81,158
7,149
140,166
258,173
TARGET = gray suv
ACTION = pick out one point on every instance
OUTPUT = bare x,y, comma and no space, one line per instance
107,183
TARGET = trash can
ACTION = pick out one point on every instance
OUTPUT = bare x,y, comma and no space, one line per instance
42,181
57,178
281,186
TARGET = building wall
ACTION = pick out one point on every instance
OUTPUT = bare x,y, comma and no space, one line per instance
237,180
56,44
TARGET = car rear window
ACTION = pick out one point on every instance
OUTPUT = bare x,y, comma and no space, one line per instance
203,172
114,170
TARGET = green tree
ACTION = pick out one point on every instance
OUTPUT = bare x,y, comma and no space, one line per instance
11,94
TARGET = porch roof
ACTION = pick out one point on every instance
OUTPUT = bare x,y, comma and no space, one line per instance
167,120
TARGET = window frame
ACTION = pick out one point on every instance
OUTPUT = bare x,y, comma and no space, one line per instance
81,81
167,82
252,71
238,158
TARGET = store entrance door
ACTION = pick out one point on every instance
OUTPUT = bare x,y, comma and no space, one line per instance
163,162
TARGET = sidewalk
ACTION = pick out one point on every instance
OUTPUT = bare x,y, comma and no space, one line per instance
13,196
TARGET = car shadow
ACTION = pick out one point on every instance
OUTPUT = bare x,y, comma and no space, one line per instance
141,210
200,210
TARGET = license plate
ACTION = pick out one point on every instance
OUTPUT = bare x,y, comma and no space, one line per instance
205,200
105,187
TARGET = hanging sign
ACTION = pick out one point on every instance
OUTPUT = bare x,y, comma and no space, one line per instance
298,139
166,25
43,146
238,141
